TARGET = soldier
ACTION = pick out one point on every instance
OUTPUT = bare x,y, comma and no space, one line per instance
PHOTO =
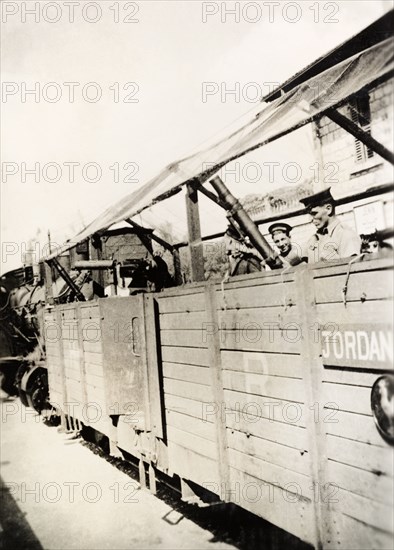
243,257
333,240
289,255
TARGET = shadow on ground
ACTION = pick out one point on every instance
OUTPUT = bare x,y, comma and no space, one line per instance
15,533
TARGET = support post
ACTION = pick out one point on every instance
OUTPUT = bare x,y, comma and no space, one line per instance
313,383
194,232
48,285
177,267
215,366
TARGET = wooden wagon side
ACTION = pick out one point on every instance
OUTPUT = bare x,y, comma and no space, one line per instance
357,348
244,389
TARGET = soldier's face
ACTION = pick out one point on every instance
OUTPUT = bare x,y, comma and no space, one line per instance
321,215
282,241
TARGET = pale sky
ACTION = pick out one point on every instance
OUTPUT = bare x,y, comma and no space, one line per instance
169,54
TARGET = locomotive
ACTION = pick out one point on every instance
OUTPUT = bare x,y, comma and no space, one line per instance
24,296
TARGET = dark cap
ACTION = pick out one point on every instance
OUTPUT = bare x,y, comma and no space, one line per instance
280,226
318,199
233,232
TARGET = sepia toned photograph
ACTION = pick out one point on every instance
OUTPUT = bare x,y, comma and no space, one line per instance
196,275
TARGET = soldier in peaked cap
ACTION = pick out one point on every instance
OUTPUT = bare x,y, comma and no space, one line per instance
243,257
289,254
333,239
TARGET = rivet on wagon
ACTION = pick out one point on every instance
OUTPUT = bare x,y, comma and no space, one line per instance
363,297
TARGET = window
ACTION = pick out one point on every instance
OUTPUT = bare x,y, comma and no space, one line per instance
360,113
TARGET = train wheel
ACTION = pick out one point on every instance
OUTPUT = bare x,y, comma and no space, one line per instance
34,389
39,394
22,369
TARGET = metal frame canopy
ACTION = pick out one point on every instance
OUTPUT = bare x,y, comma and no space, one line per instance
303,104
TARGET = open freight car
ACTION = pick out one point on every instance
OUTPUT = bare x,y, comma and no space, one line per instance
258,390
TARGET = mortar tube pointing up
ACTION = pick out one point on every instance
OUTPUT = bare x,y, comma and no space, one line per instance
247,225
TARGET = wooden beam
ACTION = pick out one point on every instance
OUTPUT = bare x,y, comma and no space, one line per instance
194,232
154,237
198,187
167,246
360,134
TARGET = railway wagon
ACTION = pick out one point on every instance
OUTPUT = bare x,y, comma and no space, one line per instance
257,390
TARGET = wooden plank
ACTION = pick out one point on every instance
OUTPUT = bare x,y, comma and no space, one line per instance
259,278
367,484
181,304
277,432
96,396
91,330
96,380
268,296
153,369
81,358
267,318
93,347
295,517
68,312
90,311
74,390
241,404
263,363
256,339
380,311
217,384
352,533
361,286
61,362
361,455
289,389
204,411
298,484
93,358
194,466
183,321
92,368
188,390
192,425
186,356
281,455
177,371
364,509
350,378
313,369
327,269
342,397
183,338
352,426
72,374
192,442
